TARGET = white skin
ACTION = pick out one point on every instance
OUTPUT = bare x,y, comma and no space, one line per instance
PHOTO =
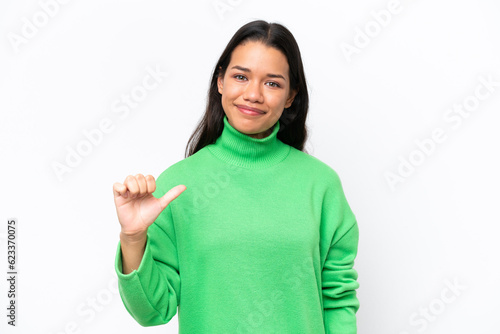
247,82
257,77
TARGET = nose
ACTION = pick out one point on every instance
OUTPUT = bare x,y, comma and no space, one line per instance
253,92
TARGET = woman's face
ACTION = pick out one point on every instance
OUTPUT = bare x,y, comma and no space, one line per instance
256,77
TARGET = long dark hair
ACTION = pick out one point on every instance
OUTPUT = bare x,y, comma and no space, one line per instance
292,122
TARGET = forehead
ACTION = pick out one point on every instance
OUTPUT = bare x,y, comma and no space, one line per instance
259,58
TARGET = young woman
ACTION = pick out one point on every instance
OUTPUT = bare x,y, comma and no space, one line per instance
262,239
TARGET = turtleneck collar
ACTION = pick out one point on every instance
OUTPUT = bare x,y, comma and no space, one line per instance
242,150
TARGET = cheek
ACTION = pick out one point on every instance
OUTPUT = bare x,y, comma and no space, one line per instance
276,100
231,94
232,91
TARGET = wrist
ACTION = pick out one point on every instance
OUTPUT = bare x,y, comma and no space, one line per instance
133,238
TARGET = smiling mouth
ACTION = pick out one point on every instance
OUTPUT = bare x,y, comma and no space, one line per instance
249,110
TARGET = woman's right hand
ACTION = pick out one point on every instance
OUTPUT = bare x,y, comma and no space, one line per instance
136,207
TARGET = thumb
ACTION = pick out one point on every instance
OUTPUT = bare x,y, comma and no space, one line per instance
171,195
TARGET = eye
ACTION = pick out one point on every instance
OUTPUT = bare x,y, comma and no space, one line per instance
276,85
239,77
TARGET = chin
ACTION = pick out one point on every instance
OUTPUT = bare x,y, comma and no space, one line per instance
246,125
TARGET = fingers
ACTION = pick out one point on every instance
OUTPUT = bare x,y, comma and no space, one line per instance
151,184
171,195
119,189
135,186
141,182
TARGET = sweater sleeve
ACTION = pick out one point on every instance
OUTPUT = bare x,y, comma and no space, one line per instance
339,278
151,293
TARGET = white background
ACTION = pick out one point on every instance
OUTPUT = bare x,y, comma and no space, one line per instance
437,224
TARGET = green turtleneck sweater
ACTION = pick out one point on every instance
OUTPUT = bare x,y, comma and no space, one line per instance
261,241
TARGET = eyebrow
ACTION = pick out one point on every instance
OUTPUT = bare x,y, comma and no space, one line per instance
270,75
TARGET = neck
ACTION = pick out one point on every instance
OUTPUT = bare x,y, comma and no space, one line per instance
262,134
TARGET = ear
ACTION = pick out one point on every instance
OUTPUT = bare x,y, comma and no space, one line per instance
220,83
291,97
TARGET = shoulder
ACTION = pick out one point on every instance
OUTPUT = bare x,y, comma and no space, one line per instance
307,163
